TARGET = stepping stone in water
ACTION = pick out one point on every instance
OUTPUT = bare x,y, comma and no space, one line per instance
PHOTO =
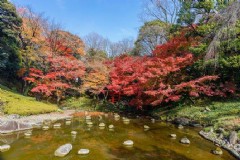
74,133
28,134
128,143
173,135
153,120
126,121
146,127
88,117
68,122
45,128
217,151
101,125
63,150
111,126
185,141
83,151
57,125
180,126
89,123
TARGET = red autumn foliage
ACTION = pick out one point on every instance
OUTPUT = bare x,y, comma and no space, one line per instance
59,75
161,78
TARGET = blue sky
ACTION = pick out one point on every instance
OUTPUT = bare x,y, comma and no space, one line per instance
113,19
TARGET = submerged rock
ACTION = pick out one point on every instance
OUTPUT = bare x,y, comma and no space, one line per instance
10,138
63,150
83,151
5,148
217,151
128,143
185,140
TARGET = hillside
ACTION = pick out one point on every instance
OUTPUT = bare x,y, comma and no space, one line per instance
14,103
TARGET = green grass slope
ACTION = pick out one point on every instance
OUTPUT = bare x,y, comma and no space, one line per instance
14,103
221,113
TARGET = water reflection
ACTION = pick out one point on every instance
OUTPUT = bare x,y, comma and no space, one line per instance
107,142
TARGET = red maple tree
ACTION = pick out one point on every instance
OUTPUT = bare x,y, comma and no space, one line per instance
60,74
161,78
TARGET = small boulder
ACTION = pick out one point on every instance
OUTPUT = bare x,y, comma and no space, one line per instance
63,150
83,151
233,137
185,141
217,151
182,121
237,147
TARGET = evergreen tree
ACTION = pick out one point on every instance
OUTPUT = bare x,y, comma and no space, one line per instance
9,39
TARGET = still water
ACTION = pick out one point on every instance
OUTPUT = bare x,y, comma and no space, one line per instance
105,144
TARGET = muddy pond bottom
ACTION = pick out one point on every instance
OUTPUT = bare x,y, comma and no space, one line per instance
151,142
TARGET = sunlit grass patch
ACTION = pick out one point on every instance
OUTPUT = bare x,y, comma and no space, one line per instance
14,103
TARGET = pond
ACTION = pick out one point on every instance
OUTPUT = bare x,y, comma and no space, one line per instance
104,144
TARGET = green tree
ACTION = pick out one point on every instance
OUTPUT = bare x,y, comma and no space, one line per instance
199,10
150,35
10,25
